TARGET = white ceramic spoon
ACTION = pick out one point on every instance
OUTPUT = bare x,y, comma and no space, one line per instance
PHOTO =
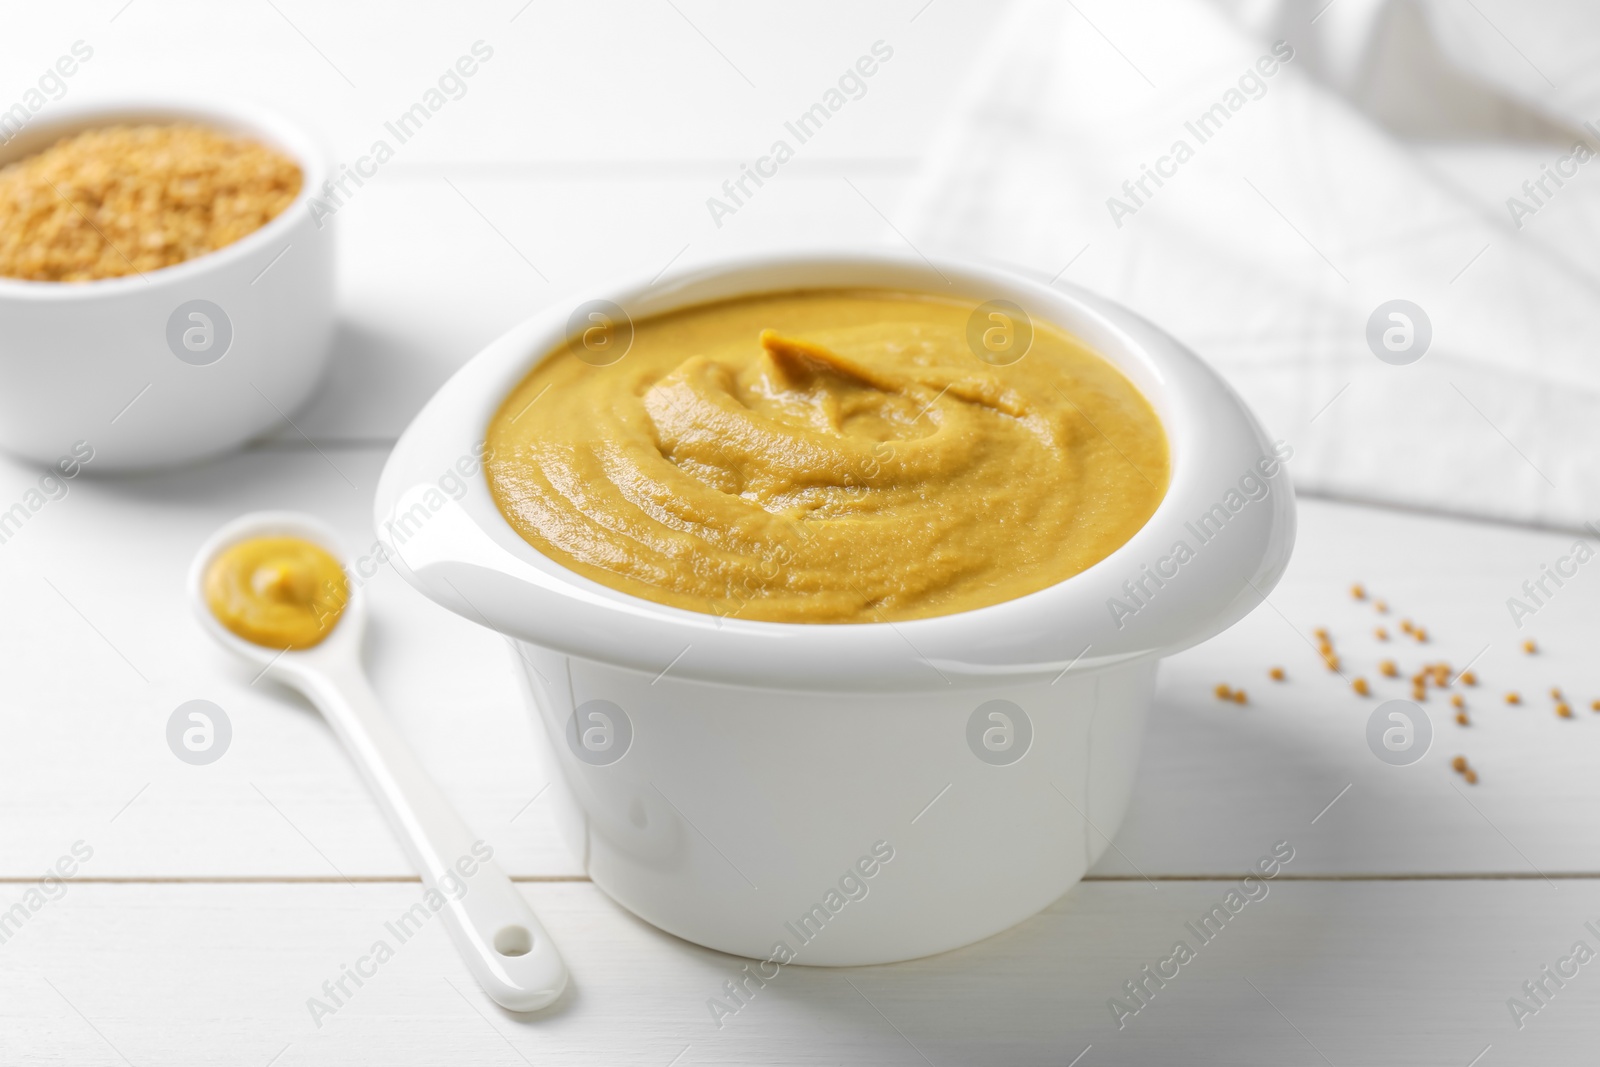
494,928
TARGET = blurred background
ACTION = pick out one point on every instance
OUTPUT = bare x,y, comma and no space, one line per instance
1375,164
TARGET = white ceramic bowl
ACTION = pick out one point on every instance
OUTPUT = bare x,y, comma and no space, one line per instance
721,777
98,362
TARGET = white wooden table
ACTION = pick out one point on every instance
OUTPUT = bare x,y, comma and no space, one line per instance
218,899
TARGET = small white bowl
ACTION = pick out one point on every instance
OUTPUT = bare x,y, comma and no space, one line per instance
124,366
721,777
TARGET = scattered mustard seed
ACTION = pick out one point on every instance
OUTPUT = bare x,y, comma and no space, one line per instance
1381,634
1276,674
1513,698
1223,692
1389,670
1358,591
1458,764
1461,718
1239,697
1470,775
1564,710
1530,646
1360,686
1469,678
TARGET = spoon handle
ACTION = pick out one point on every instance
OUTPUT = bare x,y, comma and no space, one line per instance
495,930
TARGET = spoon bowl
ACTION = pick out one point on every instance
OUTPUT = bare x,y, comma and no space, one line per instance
342,646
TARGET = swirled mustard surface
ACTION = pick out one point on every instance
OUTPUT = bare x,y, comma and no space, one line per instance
281,592
826,456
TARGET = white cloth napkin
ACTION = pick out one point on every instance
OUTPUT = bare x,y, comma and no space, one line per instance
1298,210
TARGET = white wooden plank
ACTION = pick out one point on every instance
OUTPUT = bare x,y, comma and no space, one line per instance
621,81
85,731
426,280
1352,973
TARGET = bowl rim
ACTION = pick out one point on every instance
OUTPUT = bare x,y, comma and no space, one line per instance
232,114
464,554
